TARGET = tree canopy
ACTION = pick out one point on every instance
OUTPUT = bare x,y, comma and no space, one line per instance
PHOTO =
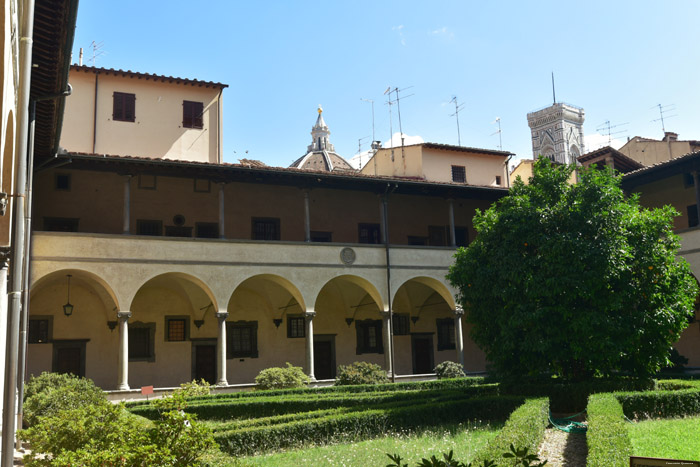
574,280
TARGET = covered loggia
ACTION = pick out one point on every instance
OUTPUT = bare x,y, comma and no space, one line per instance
350,325
72,327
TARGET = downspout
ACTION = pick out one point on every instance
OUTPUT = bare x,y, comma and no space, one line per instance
385,212
24,315
508,171
17,251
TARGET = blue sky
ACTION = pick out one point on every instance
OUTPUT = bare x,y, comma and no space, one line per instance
281,59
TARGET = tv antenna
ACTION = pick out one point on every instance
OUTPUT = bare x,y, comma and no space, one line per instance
456,114
359,150
398,109
96,52
663,110
500,141
607,127
371,102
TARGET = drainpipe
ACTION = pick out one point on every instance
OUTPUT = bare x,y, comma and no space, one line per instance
24,315
385,221
17,251
508,171
94,115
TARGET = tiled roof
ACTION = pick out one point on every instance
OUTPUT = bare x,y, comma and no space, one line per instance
682,164
449,147
147,76
622,162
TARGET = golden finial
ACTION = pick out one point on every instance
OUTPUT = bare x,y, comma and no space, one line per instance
320,109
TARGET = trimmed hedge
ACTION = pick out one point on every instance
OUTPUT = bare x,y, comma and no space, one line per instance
608,441
364,424
524,428
660,404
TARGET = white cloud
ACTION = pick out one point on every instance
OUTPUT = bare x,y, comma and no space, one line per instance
443,31
399,28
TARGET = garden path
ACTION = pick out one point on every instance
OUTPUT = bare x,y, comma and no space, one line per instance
563,449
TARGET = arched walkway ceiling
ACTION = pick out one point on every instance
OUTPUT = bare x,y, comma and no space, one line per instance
420,290
189,287
354,292
79,278
276,290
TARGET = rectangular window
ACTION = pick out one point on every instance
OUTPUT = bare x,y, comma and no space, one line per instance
147,182
369,233
62,182
60,224
124,108
322,237
149,227
459,174
296,327
401,324
202,185
178,231
414,240
141,345
498,180
176,328
437,235
192,114
446,333
39,330
242,339
206,230
461,236
369,336
265,228
688,180
692,215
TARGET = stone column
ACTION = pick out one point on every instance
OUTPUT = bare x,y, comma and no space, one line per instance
307,217
386,331
382,220
310,343
221,349
127,205
123,375
451,205
221,210
459,341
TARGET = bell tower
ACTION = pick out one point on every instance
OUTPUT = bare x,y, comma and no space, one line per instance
557,132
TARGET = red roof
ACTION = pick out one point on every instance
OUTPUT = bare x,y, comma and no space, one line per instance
147,76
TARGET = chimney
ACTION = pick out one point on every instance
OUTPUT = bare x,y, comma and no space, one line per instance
670,136
80,60
376,144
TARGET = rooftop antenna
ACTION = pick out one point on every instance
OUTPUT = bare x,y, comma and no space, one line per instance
371,102
359,150
391,128
456,114
607,126
500,141
96,52
554,95
663,110
398,109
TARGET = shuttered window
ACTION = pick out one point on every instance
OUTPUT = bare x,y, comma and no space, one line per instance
124,108
192,114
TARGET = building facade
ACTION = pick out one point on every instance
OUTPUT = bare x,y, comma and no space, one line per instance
557,132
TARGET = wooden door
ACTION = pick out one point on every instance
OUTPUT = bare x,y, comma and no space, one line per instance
205,363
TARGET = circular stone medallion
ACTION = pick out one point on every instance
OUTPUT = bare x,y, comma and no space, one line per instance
347,255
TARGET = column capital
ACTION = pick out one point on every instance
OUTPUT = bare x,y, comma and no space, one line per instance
386,314
123,315
310,314
222,315
458,311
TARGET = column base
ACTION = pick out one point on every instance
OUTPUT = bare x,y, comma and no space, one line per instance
312,378
123,387
222,382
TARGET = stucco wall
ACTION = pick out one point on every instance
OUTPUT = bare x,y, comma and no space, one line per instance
480,169
671,190
652,152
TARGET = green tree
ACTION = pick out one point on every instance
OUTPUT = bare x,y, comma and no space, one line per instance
574,280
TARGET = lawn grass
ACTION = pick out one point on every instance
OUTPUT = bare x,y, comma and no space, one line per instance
677,438
463,439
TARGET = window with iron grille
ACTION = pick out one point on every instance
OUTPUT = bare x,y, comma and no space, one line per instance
369,336
369,233
206,230
192,114
141,341
265,228
62,182
242,339
39,330
176,329
401,325
149,227
296,326
459,174
446,333
124,108
61,224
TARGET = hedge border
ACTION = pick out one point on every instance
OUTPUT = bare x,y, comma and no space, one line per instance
608,440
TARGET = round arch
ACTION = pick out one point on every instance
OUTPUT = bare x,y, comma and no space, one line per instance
260,282
434,284
79,277
186,285
367,287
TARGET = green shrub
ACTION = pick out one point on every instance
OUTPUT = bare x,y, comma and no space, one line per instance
661,404
360,373
282,378
195,388
608,442
446,370
525,428
50,393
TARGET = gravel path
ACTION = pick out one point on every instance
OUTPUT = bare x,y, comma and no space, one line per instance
563,449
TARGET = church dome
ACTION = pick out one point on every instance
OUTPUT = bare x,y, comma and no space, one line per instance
321,155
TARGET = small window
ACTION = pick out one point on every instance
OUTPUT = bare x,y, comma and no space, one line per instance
192,114
461,236
178,231
265,228
437,235
321,237
459,174
498,180
692,215
206,230
414,240
446,333
62,182
61,224
688,180
202,185
176,328
124,108
369,233
141,341
149,227
242,339
401,325
147,182
369,336
39,330
296,327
